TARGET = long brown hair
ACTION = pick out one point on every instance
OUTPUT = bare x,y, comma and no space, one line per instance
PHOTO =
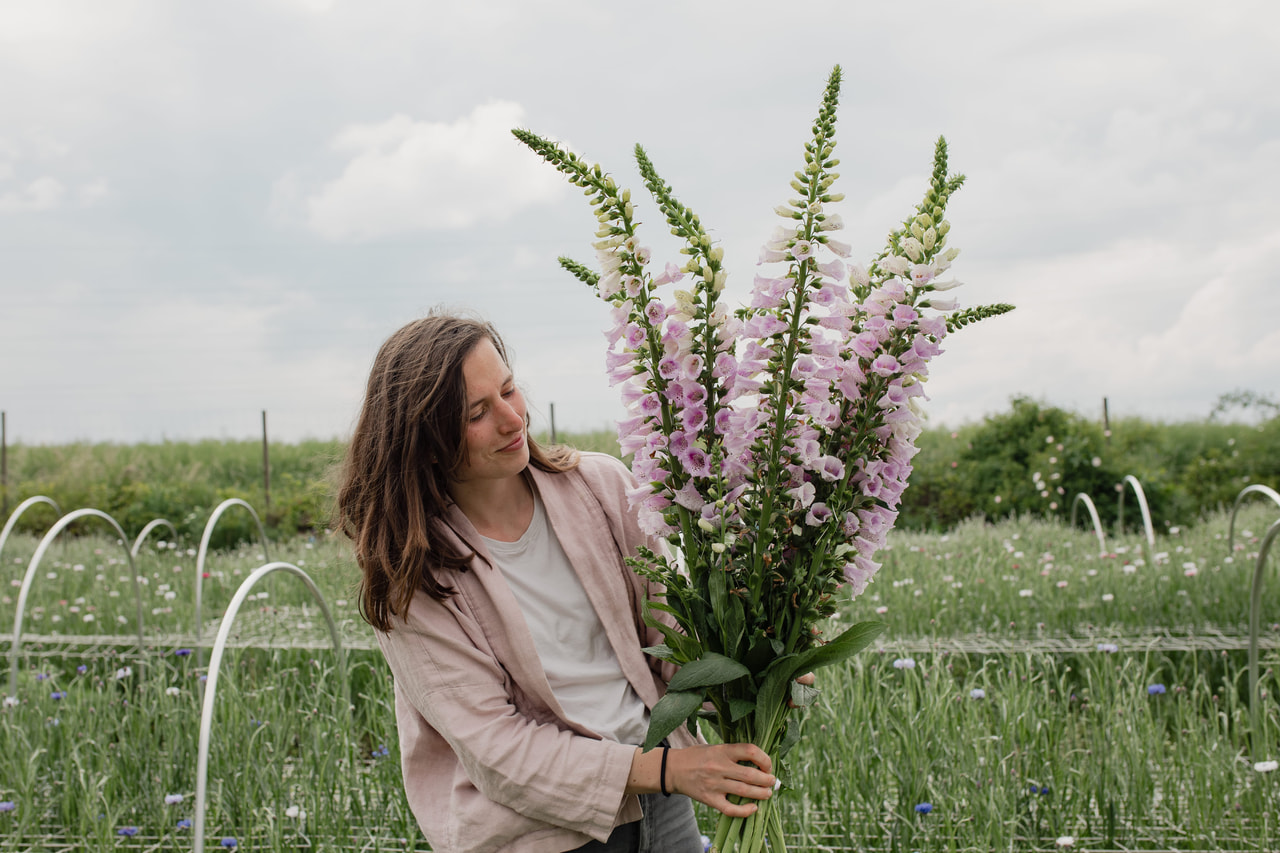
408,444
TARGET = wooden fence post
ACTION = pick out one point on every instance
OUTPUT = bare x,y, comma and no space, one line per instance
266,465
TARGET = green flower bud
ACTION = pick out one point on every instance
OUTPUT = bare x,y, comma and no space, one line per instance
943,227
917,231
929,239
833,198
626,196
717,254
925,220
795,185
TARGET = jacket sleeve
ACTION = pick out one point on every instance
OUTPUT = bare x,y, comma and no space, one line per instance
535,767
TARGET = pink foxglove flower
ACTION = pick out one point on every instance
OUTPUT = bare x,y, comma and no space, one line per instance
772,444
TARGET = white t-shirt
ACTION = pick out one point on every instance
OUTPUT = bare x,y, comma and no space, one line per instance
580,664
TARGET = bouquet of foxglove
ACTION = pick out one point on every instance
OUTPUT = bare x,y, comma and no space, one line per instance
771,443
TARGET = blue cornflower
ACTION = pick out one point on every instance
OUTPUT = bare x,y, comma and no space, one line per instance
41,676
924,808
82,669
8,806
181,653
127,831
1034,789
57,694
1044,790
1155,689
230,842
381,751
184,824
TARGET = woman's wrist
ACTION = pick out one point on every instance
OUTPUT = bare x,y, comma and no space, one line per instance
647,776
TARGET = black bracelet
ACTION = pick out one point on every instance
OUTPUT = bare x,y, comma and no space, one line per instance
662,775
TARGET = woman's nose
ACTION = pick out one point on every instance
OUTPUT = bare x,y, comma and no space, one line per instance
513,417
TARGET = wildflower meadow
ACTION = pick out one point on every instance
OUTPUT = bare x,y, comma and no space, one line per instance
1031,692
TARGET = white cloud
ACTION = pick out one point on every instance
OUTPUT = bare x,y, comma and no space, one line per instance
406,175
41,194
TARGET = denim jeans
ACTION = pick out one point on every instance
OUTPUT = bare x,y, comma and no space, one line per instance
668,826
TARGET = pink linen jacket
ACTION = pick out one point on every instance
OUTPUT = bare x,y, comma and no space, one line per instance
490,761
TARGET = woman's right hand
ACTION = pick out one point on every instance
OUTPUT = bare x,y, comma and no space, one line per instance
711,774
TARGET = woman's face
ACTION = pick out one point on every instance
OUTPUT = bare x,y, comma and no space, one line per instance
495,444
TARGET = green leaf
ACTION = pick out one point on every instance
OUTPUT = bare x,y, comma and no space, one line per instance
739,708
683,646
670,711
662,652
772,692
709,670
853,640
790,738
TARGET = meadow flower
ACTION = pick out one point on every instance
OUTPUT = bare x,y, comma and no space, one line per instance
123,672
10,701
58,695
7,805
924,808
1266,766
184,824
295,812
904,663
127,831
1110,648
229,842
172,799
977,693
181,653
1065,841
1106,596
1155,689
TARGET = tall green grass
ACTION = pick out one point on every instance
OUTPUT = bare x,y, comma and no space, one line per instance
1126,767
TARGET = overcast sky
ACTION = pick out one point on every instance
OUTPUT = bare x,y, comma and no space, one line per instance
207,210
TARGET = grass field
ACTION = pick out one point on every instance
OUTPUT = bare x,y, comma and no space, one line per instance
1028,690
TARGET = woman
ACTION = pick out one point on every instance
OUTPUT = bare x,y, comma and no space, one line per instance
493,573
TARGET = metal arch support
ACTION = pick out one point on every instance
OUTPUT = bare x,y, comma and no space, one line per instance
151,525
198,628
1255,627
1142,505
1093,514
15,648
1231,528
23,507
215,663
